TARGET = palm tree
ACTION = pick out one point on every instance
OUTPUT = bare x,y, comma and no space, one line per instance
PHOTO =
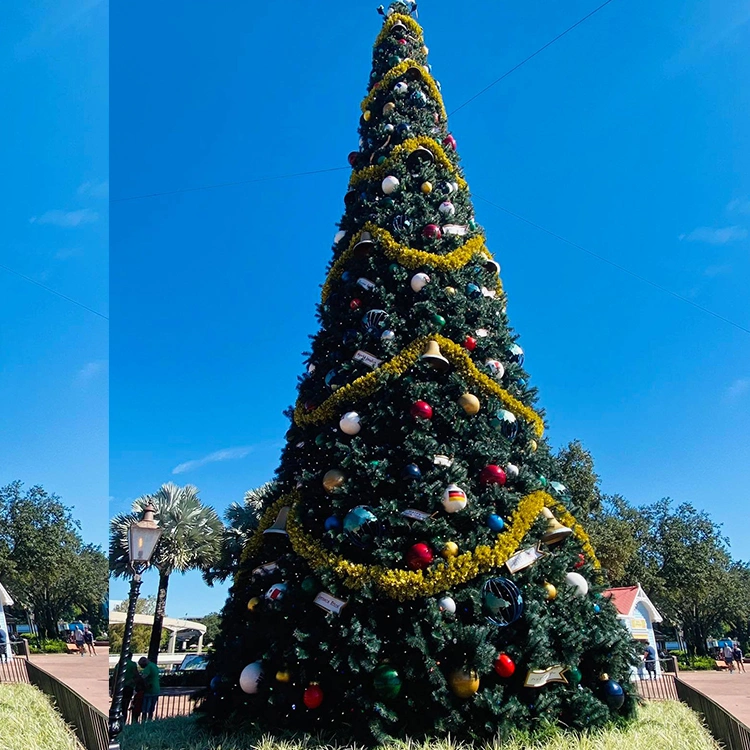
191,539
241,521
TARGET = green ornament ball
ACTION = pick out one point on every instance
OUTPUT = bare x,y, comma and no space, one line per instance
381,159
386,682
543,481
574,676
309,585
394,60
393,267
320,440
439,320
388,202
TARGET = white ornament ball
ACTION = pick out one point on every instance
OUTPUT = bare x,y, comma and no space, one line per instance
400,88
578,582
389,128
350,423
447,604
419,281
387,335
496,368
447,208
250,677
339,236
390,184
454,499
512,470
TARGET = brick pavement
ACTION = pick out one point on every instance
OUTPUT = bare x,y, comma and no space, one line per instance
731,691
87,675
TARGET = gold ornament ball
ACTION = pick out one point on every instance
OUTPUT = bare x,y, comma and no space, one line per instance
253,603
283,676
533,446
469,403
450,290
551,591
388,108
464,682
332,480
604,677
449,550
426,187
367,115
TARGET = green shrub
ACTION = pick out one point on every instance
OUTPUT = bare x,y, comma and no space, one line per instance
686,661
48,647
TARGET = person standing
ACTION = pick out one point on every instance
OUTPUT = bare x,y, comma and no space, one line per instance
88,638
739,657
80,641
131,674
650,659
3,646
150,675
728,652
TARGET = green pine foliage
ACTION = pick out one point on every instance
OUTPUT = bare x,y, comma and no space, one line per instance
348,653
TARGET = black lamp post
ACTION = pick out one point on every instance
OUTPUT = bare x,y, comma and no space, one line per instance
143,536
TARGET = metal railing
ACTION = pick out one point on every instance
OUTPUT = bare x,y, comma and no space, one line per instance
725,728
171,704
89,724
660,688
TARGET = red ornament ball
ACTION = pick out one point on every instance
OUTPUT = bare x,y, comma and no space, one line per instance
504,665
581,561
432,232
309,405
355,304
419,556
313,695
421,410
449,141
492,475
470,343
402,41
353,156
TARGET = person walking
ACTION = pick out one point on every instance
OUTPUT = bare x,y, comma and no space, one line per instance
88,638
650,660
150,675
131,674
739,657
3,646
80,641
728,652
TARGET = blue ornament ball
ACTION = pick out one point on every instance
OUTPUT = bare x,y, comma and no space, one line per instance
332,524
495,522
473,291
402,129
502,601
412,471
597,608
614,695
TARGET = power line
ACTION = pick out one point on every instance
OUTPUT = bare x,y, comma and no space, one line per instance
228,184
53,291
612,263
532,55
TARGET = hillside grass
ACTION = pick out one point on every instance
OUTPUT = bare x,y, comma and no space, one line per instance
667,725
29,722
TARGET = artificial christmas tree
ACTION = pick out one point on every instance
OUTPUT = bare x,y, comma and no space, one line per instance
416,572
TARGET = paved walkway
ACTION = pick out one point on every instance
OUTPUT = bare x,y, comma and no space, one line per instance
732,691
87,675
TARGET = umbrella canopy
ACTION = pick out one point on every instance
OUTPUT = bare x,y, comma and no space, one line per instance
5,600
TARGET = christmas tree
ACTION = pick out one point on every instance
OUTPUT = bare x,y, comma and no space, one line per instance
417,570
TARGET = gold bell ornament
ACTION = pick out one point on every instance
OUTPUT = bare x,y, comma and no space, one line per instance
433,356
556,532
279,525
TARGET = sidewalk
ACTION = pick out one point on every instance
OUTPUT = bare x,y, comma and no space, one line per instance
87,675
731,691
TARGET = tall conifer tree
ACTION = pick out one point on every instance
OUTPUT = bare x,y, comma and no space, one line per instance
418,570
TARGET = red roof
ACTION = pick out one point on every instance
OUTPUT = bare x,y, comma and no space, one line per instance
623,598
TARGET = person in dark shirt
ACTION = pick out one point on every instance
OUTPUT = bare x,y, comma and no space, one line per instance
3,645
650,660
131,673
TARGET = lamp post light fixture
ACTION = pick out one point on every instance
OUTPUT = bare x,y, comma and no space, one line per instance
143,536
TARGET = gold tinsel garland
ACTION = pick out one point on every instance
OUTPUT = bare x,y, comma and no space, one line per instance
378,171
366,385
407,21
406,256
396,72
411,584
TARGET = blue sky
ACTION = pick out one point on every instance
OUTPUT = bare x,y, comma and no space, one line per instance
629,136
54,214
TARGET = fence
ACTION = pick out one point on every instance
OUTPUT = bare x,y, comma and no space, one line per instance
89,724
661,688
170,704
728,730
13,670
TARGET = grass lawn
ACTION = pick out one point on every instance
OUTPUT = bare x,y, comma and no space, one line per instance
668,725
28,721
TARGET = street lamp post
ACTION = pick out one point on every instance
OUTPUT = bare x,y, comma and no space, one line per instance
143,536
